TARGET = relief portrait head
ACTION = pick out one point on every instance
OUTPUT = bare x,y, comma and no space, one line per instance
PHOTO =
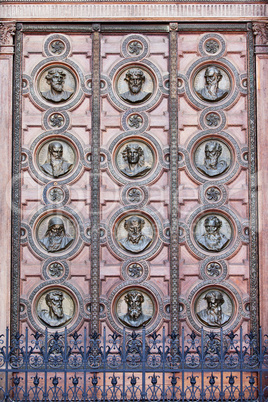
134,159
214,308
135,85
212,84
212,158
213,233
56,158
56,233
55,308
57,84
135,308
134,234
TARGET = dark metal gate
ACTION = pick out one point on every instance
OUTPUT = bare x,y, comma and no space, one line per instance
134,367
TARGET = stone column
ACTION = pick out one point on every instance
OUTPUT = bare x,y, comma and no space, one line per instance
7,30
260,30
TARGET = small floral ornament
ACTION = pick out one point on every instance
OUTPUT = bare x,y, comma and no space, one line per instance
135,47
212,119
55,269
135,270
134,195
135,121
57,47
212,46
213,194
56,195
56,120
214,269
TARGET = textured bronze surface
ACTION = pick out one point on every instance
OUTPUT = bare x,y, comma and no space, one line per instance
152,134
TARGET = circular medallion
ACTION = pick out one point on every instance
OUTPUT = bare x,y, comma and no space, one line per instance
135,270
134,308
213,269
57,47
212,158
212,119
213,233
214,308
212,83
55,233
135,85
134,159
56,158
55,270
213,194
135,121
134,48
56,120
211,46
56,84
134,233
55,308
134,195
55,195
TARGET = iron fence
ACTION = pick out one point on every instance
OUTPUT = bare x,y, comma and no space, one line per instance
133,367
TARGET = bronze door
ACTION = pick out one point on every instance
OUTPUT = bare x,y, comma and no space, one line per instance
134,179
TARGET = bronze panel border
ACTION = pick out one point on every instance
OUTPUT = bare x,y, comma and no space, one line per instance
253,185
95,181
174,199
16,184
138,1
213,27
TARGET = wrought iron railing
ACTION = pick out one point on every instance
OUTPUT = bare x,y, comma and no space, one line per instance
133,367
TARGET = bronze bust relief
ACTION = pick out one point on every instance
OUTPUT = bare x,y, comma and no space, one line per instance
56,234
57,84
214,308
55,308
135,308
134,159
134,234
212,84
213,233
56,158
135,85
212,158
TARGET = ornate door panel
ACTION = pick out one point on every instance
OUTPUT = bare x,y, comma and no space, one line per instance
134,151
134,258
55,180
213,181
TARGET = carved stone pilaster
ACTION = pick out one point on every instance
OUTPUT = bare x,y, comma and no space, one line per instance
7,31
260,30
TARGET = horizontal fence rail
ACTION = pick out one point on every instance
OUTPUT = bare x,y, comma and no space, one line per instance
133,367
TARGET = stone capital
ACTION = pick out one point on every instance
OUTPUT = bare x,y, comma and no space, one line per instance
7,31
260,30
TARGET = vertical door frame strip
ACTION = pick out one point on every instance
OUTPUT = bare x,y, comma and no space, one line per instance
253,186
95,180
173,127
16,184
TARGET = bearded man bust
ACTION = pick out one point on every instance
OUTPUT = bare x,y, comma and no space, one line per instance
135,241
135,79
56,239
55,79
54,316
134,316
55,164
